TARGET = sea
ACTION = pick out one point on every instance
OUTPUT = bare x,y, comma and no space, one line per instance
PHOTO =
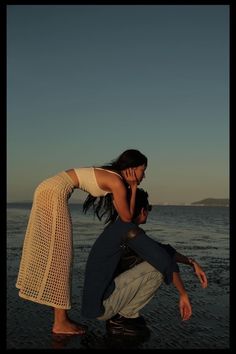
200,232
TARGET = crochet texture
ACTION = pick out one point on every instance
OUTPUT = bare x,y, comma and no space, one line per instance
46,263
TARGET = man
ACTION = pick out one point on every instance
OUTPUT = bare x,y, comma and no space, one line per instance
113,292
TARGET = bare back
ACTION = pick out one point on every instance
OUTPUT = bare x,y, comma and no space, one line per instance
107,182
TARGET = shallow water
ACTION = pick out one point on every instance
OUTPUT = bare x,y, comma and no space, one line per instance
199,232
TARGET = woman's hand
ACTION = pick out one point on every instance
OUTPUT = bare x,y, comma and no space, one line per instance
130,177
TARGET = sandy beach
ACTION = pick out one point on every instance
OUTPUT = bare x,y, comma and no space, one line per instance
29,324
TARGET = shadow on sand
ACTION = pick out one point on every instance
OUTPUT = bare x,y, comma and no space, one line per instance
93,341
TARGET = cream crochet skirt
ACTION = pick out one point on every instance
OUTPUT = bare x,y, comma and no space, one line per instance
46,263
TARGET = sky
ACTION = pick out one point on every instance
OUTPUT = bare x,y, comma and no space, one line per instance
86,82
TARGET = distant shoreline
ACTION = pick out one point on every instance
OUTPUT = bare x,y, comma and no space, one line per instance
212,202
195,204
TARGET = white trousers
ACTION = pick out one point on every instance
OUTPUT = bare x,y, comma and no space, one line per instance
133,290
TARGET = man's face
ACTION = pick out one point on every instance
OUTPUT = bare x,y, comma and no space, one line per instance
144,214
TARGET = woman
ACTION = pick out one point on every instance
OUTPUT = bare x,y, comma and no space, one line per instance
46,264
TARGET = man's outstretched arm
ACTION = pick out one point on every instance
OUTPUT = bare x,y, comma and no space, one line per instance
180,258
184,303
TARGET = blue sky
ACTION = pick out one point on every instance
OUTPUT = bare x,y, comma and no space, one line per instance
86,82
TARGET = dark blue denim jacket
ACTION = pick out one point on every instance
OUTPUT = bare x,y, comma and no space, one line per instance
105,255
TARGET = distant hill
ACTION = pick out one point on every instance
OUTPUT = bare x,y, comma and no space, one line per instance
212,202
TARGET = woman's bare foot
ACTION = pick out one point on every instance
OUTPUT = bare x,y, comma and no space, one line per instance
63,325
69,327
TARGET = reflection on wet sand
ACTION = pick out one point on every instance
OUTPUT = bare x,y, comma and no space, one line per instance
91,340
60,341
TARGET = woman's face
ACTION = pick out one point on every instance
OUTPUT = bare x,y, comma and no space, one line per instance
140,172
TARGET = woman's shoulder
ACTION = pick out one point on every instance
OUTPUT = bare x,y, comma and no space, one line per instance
109,171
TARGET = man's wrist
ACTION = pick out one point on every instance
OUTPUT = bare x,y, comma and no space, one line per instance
191,261
183,293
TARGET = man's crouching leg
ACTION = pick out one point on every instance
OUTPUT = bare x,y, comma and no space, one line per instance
133,290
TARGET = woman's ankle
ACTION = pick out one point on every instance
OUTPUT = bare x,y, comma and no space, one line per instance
60,315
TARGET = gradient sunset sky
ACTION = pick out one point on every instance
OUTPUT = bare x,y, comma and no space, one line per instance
86,82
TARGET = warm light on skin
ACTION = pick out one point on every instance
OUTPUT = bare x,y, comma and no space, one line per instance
136,172
140,173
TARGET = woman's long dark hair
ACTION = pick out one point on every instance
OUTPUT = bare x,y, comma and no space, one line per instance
104,205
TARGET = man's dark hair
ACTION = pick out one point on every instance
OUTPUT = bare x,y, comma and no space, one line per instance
141,201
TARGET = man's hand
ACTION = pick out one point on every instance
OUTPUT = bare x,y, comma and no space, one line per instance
200,273
185,307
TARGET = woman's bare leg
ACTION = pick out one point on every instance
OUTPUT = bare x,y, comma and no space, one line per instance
63,325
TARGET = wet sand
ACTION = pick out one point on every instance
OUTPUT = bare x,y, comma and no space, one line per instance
29,324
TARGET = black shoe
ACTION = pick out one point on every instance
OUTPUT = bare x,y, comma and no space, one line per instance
119,325
121,319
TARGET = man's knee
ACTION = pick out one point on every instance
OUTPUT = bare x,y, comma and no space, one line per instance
156,278
149,274
133,233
